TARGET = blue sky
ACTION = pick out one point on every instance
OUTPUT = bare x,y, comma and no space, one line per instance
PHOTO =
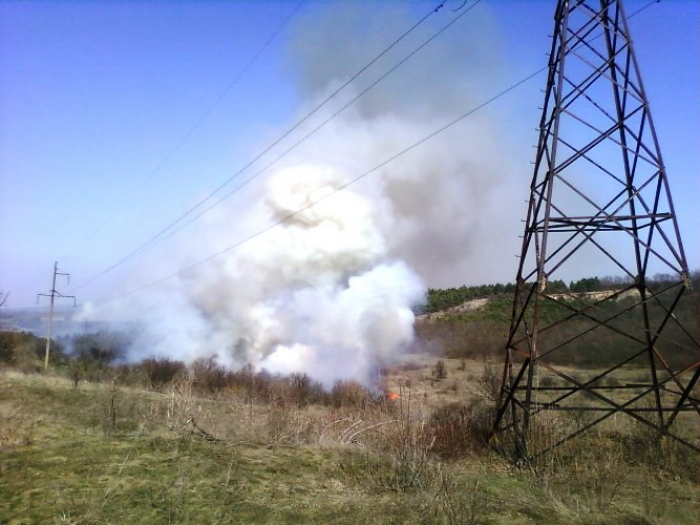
115,117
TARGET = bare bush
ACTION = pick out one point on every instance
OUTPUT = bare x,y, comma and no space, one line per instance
110,401
86,367
129,375
208,376
459,429
407,444
16,427
459,338
248,385
26,358
114,411
159,372
440,371
180,402
351,394
462,502
291,426
75,372
589,470
490,380
304,390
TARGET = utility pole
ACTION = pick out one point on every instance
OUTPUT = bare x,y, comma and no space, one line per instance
53,296
3,298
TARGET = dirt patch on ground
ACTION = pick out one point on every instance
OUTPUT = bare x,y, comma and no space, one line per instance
466,306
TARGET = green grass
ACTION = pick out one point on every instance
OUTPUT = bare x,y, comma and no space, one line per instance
101,454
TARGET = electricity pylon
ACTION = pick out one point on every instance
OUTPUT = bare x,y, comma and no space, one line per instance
53,294
599,204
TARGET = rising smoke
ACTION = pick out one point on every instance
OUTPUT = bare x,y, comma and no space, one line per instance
330,291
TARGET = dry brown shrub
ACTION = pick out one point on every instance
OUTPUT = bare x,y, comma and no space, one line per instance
462,501
489,385
461,338
159,372
303,390
395,450
351,394
16,427
27,359
460,429
440,371
409,366
180,402
208,376
292,426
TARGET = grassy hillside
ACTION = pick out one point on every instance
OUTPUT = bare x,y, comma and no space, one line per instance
473,324
106,453
98,440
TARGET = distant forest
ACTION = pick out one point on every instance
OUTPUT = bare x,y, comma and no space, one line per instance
441,299
483,331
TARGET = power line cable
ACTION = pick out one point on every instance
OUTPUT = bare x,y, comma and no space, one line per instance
336,190
161,235
188,134
293,214
200,120
299,211
166,235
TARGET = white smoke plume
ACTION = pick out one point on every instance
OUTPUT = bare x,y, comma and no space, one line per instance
330,290
318,294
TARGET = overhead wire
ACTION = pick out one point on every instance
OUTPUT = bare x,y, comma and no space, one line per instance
172,232
159,236
638,11
340,188
191,130
344,186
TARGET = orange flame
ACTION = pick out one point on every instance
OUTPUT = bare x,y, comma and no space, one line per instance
393,396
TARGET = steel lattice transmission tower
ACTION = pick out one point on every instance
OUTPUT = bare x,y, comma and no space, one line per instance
599,205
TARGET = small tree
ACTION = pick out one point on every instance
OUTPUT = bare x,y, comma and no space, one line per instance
160,371
440,371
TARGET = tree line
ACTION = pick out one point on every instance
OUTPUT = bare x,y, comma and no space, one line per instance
439,299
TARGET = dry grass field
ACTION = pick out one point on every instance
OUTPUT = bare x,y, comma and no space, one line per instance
109,453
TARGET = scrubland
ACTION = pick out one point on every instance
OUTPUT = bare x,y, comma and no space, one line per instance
98,440
206,446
